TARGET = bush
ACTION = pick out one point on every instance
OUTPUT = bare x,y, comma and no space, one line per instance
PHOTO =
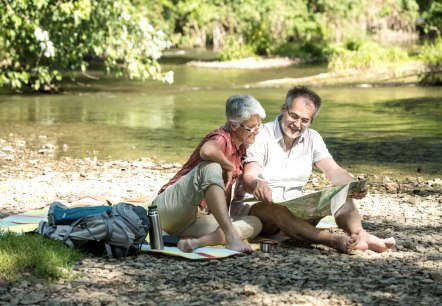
430,23
40,39
307,50
363,55
432,56
235,50
432,53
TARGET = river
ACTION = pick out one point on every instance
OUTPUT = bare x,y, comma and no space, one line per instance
123,119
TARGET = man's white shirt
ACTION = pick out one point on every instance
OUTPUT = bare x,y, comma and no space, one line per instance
286,174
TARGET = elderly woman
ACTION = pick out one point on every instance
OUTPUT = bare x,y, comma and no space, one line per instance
206,179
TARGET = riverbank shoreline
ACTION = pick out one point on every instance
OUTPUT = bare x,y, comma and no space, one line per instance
406,74
294,273
248,63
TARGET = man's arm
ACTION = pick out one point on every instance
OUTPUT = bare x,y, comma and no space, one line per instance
338,175
210,151
255,186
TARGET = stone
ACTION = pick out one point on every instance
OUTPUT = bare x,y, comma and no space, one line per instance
392,187
437,276
32,298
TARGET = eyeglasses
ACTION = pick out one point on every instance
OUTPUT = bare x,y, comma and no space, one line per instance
295,117
252,130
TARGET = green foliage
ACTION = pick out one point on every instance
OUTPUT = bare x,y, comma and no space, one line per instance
41,39
234,50
338,19
432,53
432,56
431,22
306,50
238,27
399,14
34,257
363,55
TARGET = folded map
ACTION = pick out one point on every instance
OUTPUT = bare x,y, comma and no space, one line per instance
321,203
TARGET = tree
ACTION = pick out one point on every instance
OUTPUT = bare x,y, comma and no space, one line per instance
430,22
42,40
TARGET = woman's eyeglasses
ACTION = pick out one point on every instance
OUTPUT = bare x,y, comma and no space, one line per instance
252,130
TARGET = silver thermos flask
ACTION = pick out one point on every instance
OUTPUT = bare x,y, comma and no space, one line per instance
155,231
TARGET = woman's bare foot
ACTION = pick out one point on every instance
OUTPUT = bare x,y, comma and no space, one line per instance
365,241
187,245
239,246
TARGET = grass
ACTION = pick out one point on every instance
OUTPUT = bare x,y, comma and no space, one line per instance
33,257
363,55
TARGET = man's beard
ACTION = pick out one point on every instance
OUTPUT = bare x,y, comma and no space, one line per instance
289,132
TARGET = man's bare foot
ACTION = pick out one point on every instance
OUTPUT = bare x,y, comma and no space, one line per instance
365,241
187,245
239,246
343,244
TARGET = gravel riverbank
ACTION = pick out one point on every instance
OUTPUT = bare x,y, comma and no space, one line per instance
292,274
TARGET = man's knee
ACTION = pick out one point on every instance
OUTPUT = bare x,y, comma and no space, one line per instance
269,212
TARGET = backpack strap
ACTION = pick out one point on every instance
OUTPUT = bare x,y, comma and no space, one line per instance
66,235
108,250
108,223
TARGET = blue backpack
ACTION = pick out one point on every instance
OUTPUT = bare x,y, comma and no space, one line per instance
117,231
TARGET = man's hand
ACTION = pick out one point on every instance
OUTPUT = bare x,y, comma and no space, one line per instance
254,185
361,194
262,191
339,176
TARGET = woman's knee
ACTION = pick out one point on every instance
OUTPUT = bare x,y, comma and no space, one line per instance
248,226
209,173
210,169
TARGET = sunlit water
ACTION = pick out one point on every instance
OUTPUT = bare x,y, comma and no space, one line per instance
124,119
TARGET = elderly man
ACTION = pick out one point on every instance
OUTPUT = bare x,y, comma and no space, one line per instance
207,179
280,163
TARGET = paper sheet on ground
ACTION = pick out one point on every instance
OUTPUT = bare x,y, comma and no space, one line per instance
321,203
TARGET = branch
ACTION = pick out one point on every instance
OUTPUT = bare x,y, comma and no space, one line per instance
89,76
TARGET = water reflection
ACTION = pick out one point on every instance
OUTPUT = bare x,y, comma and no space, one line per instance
129,120
132,111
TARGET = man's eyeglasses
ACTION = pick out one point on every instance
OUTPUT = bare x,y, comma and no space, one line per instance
252,130
295,117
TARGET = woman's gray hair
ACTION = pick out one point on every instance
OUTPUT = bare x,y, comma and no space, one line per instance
240,108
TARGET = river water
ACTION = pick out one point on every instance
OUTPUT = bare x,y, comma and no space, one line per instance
124,119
